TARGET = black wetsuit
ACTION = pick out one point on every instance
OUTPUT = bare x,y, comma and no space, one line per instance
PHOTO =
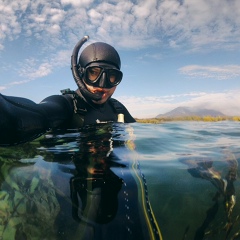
22,120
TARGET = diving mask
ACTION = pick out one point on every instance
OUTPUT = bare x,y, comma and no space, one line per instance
104,76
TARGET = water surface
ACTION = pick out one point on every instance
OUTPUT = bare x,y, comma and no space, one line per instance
174,180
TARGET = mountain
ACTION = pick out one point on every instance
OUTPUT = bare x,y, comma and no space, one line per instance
188,111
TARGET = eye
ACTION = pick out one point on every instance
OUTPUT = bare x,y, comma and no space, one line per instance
112,78
115,76
93,73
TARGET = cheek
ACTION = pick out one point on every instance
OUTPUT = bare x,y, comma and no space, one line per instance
90,88
112,90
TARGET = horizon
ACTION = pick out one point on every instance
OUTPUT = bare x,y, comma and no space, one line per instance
173,53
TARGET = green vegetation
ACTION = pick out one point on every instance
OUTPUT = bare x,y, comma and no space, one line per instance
188,118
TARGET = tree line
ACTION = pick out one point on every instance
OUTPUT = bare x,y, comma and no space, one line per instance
188,118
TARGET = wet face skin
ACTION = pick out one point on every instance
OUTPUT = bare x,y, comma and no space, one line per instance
106,93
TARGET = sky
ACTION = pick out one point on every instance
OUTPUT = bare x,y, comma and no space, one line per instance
173,52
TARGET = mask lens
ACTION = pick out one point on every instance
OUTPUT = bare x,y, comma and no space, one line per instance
93,73
114,76
102,76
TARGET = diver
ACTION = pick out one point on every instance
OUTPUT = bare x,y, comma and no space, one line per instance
96,72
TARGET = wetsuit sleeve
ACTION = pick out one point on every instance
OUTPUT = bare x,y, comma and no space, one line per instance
58,109
23,120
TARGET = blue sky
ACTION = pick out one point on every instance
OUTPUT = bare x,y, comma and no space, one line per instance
174,52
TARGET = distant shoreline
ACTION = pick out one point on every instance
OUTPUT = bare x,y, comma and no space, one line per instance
188,118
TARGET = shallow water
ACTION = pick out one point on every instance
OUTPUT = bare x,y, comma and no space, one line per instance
124,181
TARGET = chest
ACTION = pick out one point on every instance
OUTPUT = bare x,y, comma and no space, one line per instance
104,113
91,115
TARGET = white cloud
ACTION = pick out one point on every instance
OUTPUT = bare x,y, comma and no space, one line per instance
33,69
9,26
19,82
189,23
216,72
77,3
56,26
144,9
155,56
199,23
226,102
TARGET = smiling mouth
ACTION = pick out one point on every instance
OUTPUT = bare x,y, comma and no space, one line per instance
102,92
99,90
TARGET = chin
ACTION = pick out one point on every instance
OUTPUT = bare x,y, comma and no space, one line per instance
106,93
101,101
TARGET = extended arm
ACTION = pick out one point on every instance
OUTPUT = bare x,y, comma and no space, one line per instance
22,119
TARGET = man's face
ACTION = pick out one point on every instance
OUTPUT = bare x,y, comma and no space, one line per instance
105,92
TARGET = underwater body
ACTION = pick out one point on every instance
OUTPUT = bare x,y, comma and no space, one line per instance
175,180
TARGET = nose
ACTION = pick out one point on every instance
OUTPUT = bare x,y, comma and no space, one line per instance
103,80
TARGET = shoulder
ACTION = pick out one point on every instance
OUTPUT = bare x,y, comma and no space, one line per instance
58,103
120,108
56,100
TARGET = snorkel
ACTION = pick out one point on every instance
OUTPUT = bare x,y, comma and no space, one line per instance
75,66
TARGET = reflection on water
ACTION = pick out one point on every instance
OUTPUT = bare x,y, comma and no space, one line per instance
73,185
117,181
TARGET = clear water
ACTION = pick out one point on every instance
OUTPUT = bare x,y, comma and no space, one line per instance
124,181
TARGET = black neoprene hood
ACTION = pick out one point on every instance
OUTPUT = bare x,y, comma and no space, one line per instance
99,52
